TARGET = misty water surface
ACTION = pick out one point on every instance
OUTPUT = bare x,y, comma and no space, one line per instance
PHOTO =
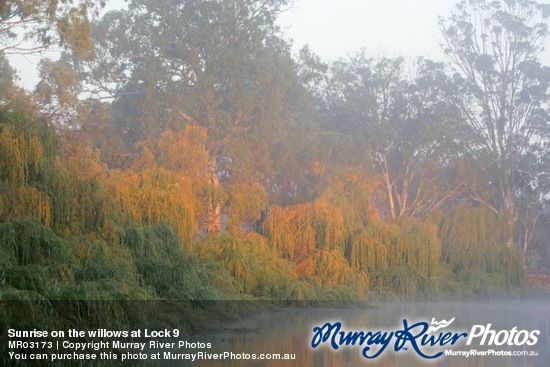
290,331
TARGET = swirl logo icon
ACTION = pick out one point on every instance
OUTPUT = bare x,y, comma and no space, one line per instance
439,325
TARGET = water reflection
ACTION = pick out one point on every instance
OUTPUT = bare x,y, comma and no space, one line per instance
290,332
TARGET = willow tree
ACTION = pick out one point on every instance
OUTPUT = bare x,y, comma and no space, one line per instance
495,47
472,240
218,65
26,150
407,125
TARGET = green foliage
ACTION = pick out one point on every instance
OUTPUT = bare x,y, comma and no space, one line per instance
170,269
404,280
254,266
41,262
467,227
44,23
350,189
246,201
27,147
27,242
154,195
369,248
418,246
28,277
297,230
157,243
474,244
36,182
216,124
101,260
330,267
257,271
21,149
402,258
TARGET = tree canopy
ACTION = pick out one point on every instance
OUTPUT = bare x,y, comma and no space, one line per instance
30,26
407,125
179,150
494,46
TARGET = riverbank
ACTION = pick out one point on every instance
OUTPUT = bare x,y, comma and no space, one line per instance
538,280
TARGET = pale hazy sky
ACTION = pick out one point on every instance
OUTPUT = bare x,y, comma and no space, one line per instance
337,28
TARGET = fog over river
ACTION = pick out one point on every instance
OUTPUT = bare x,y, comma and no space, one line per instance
518,336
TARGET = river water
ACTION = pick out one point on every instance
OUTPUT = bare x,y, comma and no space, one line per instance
290,332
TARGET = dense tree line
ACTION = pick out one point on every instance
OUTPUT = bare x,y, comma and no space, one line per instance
185,153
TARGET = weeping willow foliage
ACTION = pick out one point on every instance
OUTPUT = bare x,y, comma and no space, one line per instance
400,258
350,189
418,246
156,195
319,236
55,283
254,266
29,277
26,242
104,260
172,271
468,227
26,149
330,267
25,201
36,181
475,249
183,152
83,204
79,206
369,248
257,271
403,280
247,201
37,260
289,230
297,230
328,223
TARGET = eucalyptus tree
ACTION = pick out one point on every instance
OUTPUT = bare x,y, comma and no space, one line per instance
9,92
33,26
405,121
495,48
218,65
30,26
